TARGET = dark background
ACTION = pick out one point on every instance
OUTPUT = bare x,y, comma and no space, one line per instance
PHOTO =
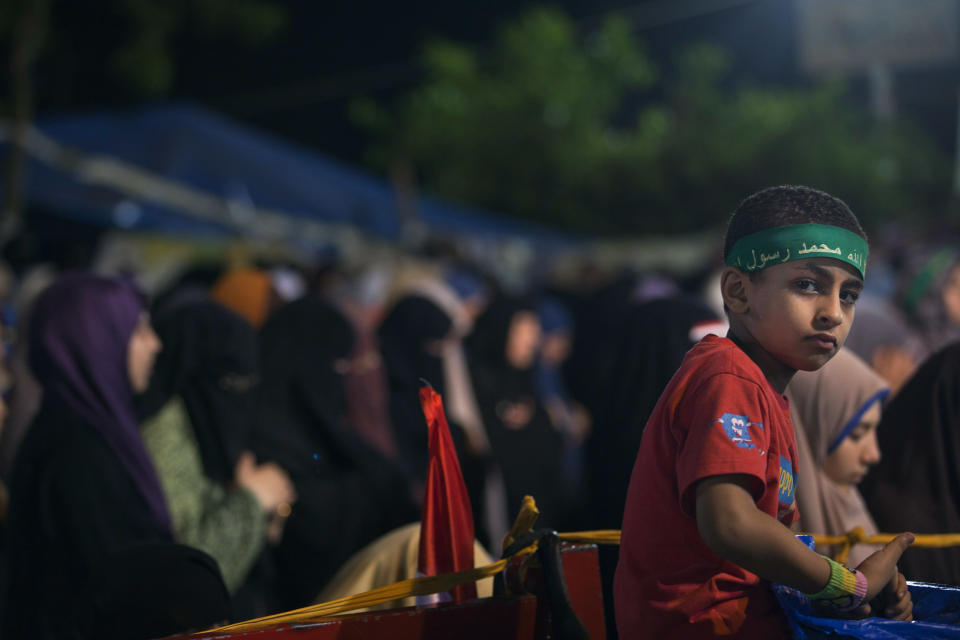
299,84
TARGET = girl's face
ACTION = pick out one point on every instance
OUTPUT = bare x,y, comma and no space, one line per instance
556,347
523,339
850,462
141,352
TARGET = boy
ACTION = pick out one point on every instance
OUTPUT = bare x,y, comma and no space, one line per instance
711,497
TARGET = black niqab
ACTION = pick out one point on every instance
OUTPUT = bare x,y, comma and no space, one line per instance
210,359
408,337
409,342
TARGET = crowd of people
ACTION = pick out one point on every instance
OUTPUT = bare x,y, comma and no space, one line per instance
247,430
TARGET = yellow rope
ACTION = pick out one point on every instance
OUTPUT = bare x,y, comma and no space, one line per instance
524,522
601,536
410,587
858,536
406,588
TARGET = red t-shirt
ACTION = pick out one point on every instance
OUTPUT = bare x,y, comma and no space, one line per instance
718,415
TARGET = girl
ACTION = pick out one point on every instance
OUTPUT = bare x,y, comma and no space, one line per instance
835,412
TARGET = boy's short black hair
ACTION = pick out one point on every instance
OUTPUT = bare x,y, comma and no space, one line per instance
788,205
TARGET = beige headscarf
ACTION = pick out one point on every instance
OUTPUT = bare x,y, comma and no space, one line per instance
825,406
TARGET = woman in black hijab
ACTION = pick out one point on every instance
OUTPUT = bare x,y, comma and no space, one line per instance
527,448
210,361
347,493
410,341
198,418
916,486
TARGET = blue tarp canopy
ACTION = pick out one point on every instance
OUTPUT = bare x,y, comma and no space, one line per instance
222,161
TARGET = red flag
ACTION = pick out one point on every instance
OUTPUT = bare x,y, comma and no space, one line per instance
446,525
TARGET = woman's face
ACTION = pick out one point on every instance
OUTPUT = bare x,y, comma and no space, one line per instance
556,347
850,462
141,352
523,338
951,295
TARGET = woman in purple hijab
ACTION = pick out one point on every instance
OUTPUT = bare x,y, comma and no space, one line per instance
83,485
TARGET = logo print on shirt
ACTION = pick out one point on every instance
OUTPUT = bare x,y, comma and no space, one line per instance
737,429
788,482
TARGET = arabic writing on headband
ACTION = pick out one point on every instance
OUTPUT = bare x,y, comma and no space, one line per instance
854,256
765,258
822,248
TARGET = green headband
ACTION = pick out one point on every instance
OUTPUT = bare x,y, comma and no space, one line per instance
797,242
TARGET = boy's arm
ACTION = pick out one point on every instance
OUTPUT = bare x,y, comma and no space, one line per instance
732,526
734,529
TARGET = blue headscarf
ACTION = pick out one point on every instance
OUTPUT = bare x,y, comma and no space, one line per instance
554,319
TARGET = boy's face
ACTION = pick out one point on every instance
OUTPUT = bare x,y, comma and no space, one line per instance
800,312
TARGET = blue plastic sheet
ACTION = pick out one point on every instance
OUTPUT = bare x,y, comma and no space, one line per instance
936,612
205,151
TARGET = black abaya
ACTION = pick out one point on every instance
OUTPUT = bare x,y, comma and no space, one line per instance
347,492
529,455
72,503
916,485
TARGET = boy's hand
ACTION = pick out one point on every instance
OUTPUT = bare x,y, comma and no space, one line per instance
886,587
883,578
894,601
